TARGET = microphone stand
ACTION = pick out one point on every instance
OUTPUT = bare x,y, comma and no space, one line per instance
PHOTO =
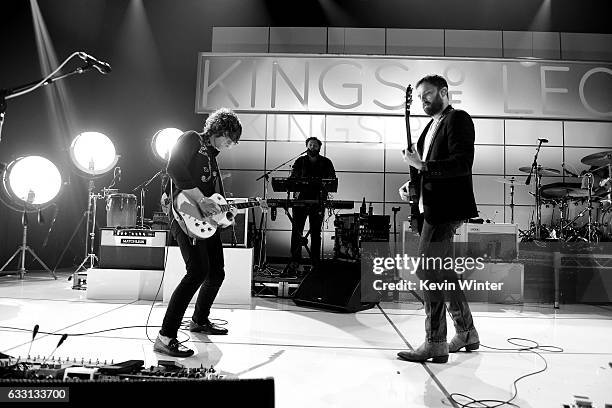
538,198
263,222
10,93
143,187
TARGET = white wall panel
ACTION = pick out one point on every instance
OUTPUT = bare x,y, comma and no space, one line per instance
588,134
295,127
402,41
486,190
489,131
355,186
279,152
473,43
527,132
352,128
356,156
253,126
240,39
574,155
247,155
305,40
519,44
586,46
521,156
488,160
241,183
364,41
335,40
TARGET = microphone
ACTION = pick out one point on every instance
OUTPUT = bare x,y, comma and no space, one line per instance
59,343
543,140
117,174
34,333
102,67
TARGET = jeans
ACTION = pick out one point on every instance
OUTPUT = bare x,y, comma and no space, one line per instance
299,220
437,241
204,264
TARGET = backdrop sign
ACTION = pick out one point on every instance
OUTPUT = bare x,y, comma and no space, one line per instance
375,85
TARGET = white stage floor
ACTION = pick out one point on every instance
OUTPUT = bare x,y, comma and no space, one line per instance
320,359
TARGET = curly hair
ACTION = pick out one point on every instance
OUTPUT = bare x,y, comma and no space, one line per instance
223,120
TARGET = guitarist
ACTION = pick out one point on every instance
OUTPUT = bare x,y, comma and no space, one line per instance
441,163
194,171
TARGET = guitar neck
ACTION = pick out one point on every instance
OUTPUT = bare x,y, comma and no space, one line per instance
239,206
408,134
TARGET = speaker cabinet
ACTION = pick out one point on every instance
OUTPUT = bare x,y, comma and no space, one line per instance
335,286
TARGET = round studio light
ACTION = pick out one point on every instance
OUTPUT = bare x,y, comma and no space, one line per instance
93,153
163,142
32,180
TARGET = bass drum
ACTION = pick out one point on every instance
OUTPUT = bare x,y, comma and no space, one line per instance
121,210
605,227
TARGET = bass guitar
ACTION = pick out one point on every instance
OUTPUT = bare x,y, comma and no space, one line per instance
413,199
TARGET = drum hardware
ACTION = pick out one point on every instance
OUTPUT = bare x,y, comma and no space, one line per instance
512,181
539,172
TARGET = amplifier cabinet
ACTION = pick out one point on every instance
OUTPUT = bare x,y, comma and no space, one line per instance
132,248
493,242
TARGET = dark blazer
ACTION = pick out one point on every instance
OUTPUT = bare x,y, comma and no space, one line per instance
447,183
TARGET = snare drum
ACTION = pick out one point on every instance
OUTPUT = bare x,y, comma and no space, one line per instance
121,210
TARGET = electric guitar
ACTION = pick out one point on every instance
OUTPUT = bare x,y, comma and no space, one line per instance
413,199
186,212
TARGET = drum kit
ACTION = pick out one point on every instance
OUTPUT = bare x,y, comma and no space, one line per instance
578,211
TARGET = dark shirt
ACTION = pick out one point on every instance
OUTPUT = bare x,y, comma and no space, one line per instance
194,164
320,168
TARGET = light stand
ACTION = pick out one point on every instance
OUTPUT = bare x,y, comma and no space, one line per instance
23,248
90,237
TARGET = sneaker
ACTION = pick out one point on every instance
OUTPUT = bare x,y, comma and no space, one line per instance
173,348
207,328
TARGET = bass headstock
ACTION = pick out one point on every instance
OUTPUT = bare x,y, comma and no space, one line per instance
408,100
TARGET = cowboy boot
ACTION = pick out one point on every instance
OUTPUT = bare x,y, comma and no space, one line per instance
437,352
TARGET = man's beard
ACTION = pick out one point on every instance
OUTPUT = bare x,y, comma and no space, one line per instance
312,153
434,107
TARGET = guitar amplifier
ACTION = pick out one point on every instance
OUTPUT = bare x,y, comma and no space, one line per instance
493,242
132,248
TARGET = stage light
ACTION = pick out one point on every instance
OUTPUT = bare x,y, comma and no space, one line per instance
163,142
93,153
32,181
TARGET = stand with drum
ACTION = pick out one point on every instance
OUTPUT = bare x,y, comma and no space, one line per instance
584,208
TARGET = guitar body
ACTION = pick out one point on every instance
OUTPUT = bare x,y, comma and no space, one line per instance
187,213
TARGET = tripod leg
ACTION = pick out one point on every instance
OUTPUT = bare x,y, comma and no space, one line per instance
41,262
11,259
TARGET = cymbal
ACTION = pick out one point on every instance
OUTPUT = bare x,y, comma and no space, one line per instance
543,171
598,159
561,190
511,180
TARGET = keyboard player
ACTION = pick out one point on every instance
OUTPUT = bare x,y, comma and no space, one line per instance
313,165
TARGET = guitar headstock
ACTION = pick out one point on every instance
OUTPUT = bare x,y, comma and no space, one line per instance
408,101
